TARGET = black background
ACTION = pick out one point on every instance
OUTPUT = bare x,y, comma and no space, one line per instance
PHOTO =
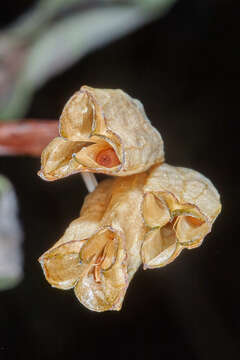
185,69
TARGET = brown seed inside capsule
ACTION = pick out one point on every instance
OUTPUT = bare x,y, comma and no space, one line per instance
107,158
194,221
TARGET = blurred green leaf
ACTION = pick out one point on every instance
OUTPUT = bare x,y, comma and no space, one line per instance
72,37
4,185
155,4
7,283
10,237
37,17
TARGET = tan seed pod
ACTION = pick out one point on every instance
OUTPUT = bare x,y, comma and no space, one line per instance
102,131
61,263
179,208
101,259
116,246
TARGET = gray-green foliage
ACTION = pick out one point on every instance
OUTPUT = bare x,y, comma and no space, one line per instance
52,46
10,237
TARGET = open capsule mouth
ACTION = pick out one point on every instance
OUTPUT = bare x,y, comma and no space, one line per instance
65,264
191,230
173,226
103,282
101,252
160,244
62,157
79,123
98,155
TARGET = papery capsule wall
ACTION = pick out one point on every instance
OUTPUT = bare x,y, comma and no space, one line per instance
102,131
179,208
101,250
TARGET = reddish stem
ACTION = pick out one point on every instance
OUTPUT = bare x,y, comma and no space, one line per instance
28,137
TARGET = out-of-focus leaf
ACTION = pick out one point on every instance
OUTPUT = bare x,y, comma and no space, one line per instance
15,42
56,5
10,237
66,42
164,4
70,39
38,16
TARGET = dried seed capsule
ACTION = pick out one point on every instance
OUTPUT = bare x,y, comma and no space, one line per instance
179,208
100,251
102,131
61,263
116,247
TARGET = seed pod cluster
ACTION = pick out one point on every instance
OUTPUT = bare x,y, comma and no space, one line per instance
147,214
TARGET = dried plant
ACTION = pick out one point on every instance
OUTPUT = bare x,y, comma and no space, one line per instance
179,208
148,218
102,131
100,251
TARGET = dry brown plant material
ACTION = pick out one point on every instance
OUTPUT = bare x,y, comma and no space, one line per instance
100,251
61,263
149,213
179,208
102,131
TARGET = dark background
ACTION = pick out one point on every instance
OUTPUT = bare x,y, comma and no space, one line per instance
185,69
